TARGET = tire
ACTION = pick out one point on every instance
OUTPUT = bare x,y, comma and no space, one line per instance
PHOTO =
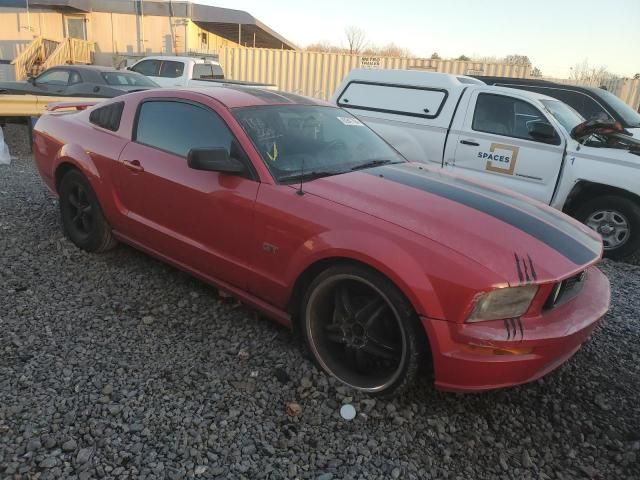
82,219
619,213
362,330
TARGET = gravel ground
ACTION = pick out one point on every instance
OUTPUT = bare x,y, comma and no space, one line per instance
118,366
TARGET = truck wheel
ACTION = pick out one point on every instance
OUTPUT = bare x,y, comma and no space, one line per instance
360,328
82,218
617,219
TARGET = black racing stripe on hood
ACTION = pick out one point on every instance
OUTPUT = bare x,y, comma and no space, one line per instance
579,248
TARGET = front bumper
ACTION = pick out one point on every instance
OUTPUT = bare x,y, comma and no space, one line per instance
553,338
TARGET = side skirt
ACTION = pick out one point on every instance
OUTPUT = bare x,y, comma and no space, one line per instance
267,309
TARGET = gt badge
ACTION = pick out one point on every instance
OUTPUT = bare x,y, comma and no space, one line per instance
501,158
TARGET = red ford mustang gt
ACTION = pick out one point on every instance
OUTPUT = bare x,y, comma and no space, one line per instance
298,209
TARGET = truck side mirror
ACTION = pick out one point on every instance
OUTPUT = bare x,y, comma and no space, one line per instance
543,132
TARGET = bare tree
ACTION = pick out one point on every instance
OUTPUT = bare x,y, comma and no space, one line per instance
389,50
536,72
325,47
356,38
596,75
517,60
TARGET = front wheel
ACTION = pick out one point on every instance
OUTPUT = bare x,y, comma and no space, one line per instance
361,329
617,219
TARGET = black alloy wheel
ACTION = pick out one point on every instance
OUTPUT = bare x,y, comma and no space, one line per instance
361,329
82,218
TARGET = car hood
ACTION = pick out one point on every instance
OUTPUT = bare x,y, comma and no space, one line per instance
129,88
14,87
519,239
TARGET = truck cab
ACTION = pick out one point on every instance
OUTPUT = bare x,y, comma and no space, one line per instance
169,71
516,139
178,71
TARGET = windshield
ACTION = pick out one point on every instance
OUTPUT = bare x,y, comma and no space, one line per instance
562,112
630,117
298,141
127,79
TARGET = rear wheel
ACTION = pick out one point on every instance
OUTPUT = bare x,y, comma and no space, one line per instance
361,329
617,220
82,218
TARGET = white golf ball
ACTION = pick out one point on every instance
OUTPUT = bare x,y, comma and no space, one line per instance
348,412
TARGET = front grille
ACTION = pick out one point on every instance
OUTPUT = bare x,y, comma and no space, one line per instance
565,290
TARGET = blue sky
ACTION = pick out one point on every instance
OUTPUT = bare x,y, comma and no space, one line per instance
554,34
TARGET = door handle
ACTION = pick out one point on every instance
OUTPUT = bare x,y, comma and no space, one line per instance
133,165
470,142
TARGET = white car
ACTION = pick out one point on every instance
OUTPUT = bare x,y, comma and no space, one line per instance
514,138
169,71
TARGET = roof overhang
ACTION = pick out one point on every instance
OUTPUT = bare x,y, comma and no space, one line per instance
237,26
234,25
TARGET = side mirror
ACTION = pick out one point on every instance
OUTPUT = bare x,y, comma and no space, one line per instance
542,132
214,160
31,80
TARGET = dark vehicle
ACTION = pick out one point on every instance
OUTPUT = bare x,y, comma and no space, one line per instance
80,81
587,101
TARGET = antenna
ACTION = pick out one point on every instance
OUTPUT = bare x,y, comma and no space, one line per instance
300,192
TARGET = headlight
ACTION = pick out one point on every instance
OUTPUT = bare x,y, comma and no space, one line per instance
503,303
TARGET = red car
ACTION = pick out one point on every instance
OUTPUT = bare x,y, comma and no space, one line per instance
301,211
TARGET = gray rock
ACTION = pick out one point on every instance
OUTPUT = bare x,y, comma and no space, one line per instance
69,445
48,462
33,445
84,455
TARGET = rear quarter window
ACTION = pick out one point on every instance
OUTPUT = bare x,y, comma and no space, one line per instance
395,99
108,116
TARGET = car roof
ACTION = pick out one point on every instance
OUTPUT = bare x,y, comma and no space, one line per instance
176,58
93,68
523,93
238,96
534,82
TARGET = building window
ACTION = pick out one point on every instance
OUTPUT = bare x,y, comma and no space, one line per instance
76,27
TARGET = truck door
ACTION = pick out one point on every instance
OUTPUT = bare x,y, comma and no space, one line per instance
510,142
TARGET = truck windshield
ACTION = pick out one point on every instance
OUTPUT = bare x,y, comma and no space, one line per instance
562,112
628,114
300,142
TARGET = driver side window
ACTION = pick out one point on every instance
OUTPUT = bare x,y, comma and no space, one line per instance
54,77
502,115
177,127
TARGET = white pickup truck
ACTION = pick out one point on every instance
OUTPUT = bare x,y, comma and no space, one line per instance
513,138
169,71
